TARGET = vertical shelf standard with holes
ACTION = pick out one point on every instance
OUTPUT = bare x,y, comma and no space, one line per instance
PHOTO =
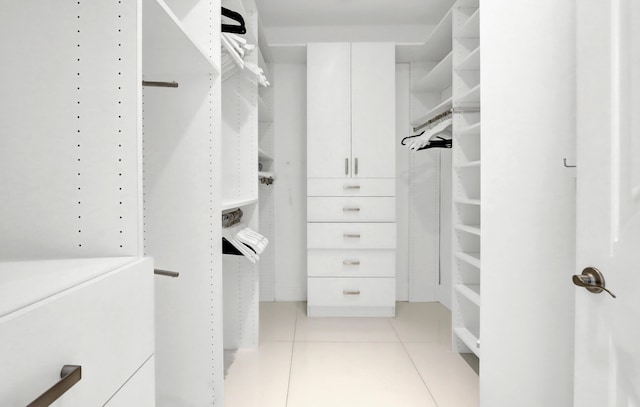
467,232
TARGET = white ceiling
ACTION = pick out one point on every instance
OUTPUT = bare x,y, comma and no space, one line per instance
290,13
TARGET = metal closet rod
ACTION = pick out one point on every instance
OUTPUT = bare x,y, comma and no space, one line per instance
446,113
156,84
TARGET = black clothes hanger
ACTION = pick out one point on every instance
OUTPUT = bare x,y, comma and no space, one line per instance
406,138
441,143
228,248
230,28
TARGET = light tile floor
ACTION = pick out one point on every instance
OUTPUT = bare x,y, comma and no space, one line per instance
356,362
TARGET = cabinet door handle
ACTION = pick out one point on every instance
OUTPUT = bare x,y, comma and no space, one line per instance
69,375
351,262
351,292
351,209
346,235
346,166
356,165
351,187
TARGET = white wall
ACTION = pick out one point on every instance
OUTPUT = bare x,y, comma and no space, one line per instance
528,203
290,186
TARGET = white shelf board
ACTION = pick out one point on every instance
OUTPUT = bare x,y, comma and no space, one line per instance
264,156
24,283
473,229
472,258
167,49
473,130
441,107
265,174
472,97
470,291
469,336
471,28
470,164
238,204
435,48
468,201
471,62
438,79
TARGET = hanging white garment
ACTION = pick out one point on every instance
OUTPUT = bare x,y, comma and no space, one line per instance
442,129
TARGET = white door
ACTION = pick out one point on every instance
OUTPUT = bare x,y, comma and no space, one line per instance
607,336
373,110
329,110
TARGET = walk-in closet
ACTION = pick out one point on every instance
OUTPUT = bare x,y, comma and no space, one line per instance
283,203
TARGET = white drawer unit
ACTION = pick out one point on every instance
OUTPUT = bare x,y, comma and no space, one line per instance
351,209
104,324
351,187
351,235
351,296
351,263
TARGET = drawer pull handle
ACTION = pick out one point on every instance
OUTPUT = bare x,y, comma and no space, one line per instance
166,273
351,187
351,292
351,262
351,209
69,375
347,235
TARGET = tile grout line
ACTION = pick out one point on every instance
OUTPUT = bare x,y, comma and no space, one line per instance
293,345
413,363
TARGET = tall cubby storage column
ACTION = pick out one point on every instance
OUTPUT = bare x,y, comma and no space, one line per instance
351,232
182,183
466,178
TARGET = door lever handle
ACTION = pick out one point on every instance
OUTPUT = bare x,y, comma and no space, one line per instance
593,280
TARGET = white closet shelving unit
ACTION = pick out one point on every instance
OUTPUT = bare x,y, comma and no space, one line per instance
240,118
466,178
71,265
181,129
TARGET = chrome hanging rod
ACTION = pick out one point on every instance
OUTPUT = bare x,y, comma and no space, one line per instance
173,84
446,113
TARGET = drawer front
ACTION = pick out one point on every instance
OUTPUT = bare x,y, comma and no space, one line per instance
351,187
139,390
351,292
351,235
351,209
351,263
105,325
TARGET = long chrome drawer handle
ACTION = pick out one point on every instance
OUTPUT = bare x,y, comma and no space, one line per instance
69,375
351,262
351,235
351,187
351,292
166,273
351,209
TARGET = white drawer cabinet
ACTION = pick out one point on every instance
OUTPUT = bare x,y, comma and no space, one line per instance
351,263
351,209
351,296
139,390
351,187
351,235
105,325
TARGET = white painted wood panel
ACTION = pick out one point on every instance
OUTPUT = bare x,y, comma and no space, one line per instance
328,110
351,263
139,390
373,110
352,187
351,209
105,325
351,235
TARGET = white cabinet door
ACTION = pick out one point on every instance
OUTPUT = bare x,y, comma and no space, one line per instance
373,98
329,110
